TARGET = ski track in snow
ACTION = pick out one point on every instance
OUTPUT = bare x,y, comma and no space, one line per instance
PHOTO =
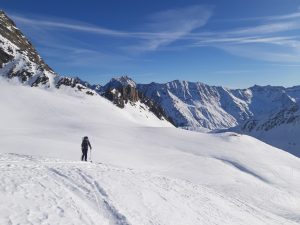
49,191
86,196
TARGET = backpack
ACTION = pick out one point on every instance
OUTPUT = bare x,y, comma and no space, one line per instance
85,143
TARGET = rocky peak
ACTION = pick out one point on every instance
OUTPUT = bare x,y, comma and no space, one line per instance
18,57
120,91
124,90
120,82
9,31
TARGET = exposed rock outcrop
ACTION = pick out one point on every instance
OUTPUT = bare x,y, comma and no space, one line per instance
123,90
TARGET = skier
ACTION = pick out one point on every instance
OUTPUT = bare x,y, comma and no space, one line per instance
85,147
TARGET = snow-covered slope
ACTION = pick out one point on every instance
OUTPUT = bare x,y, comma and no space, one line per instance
143,173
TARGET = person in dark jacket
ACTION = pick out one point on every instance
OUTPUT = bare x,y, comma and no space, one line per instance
85,147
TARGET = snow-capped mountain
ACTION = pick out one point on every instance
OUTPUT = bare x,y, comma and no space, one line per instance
194,104
120,82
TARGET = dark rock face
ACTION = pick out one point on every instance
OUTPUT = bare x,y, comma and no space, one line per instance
4,57
250,125
123,90
122,95
40,80
76,83
120,91
155,108
71,82
15,48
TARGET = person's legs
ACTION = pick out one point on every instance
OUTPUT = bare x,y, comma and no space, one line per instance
84,155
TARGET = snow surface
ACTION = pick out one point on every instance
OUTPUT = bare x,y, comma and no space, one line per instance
144,171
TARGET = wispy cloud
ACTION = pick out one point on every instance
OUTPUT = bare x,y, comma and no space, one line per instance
284,17
264,53
271,38
263,18
161,25
74,25
233,71
161,28
175,24
268,28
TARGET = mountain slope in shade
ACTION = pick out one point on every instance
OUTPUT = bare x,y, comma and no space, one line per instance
281,129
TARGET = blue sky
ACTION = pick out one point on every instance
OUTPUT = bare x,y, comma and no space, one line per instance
234,43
